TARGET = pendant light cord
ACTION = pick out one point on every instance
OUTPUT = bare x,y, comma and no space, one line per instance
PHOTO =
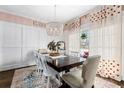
55,12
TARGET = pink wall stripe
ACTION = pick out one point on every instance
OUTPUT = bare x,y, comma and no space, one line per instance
20,20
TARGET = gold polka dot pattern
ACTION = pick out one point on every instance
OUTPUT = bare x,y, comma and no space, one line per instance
105,12
92,17
109,68
73,25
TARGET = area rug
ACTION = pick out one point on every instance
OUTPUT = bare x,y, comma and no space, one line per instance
29,78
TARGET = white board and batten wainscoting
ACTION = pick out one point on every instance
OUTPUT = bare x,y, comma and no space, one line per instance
17,42
123,45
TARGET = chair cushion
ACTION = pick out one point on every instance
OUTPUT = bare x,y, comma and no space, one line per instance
73,79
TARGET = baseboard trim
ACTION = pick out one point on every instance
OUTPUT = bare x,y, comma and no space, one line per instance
15,66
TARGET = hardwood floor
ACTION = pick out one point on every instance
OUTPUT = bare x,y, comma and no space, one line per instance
121,83
7,76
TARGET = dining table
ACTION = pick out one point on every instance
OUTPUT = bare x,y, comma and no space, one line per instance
64,62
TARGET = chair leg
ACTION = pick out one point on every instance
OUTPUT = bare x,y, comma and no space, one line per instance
48,81
37,71
92,86
59,78
64,85
40,71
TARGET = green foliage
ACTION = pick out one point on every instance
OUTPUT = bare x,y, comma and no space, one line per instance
83,35
54,46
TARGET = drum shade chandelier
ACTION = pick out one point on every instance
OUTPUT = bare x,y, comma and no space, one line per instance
54,28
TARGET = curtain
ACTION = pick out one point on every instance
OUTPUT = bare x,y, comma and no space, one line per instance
105,40
73,28
104,28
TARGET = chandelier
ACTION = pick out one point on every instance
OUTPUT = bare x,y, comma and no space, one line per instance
54,28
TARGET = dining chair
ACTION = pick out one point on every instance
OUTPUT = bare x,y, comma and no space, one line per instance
48,72
83,78
38,63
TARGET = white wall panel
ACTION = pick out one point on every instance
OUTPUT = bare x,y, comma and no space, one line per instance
10,34
31,36
9,57
1,34
27,56
123,47
43,38
17,43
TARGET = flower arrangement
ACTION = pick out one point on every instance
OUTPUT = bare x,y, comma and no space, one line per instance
54,47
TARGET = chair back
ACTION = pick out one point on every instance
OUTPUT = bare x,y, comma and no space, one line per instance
43,61
89,70
37,60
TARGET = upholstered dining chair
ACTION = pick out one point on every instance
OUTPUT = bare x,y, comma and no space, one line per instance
38,63
83,78
49,72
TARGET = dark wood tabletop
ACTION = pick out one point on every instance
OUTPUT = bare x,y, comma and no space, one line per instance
65,63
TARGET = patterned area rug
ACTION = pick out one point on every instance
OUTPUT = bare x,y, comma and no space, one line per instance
29,78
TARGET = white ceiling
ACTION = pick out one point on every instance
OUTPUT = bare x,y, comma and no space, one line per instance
46,13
